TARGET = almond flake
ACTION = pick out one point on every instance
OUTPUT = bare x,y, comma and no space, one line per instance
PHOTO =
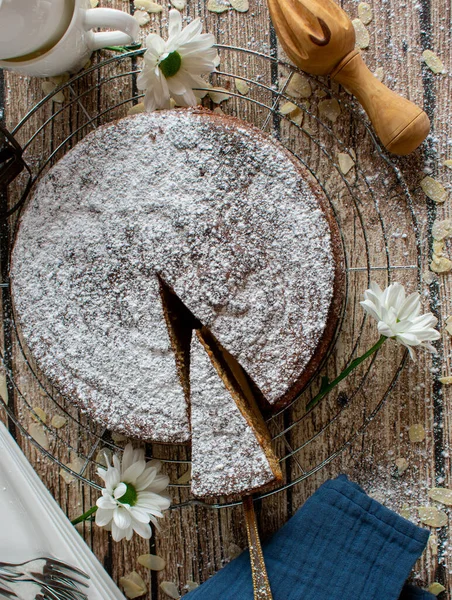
75,465
219,95
365,12
103,457
433,543
438,247
142,18
440,264
446,380
58,421
443,495
416,433
433,189
152,562
148,5
48,87
346,162
442,229
436,588
218,6
179,4
170,589
402,465
136,109
133,585
430,515
329,109
218,111
362,35
3,388
297,117
118,438
242,87
94,3
39,435
448,163
299,87
191,585
60,79
288,108
185,477
405,512
379,73
320,93
433,61
40,414
240,5
233,551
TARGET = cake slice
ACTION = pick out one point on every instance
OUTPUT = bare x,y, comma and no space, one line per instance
231,450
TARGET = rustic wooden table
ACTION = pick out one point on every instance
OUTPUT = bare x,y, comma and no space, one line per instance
195,540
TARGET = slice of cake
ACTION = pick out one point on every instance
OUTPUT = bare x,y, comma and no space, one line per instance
231,453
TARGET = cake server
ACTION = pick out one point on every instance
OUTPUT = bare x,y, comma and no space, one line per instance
319,37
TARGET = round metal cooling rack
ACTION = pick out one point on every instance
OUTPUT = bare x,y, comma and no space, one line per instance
305,441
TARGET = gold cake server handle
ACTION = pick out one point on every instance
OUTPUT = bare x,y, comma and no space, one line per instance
261,585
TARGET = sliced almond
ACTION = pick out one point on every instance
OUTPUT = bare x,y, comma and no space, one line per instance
242,87
76,465
48,87
233,551
402,465
191,585
219,95
433,61
240,5
438,247
58,421
447,380
136,109
433,189
448,163
443,495
152,562
288,108
179,4
365,12
3,388
39,435
433,543
185,477
329,109
297,117
148,6
442,229
405,512
362,38
218,6
299,87
430,515
94,3
346,162
118,438
142,18
133,585
416,433
40,414
170,589
440,264
104,457
429,277
436,588
218,111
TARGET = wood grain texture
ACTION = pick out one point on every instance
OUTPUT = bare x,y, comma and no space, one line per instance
380,227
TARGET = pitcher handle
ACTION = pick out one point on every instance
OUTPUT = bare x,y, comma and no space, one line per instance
127,27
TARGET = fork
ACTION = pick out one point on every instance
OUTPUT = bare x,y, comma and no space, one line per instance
45,566
29,589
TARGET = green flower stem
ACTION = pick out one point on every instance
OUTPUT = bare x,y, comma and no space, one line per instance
85,515
357,361
123,49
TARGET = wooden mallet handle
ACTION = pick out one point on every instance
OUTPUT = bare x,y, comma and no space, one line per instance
401,125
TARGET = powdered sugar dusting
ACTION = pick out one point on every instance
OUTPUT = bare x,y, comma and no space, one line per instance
221,213
226,456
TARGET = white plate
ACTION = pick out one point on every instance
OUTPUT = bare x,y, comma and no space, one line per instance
32,524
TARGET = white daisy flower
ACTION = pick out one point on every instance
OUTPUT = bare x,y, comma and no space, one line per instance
173,68
132,495
399,317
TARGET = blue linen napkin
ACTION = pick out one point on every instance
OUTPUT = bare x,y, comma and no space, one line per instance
341,544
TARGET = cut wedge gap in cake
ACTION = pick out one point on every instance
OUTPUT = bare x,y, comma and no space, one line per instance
231,446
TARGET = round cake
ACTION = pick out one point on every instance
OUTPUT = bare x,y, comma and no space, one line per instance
159,224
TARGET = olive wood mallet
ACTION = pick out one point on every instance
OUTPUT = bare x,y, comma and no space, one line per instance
318,36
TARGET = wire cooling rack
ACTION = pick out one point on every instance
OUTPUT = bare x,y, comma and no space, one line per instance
371,239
